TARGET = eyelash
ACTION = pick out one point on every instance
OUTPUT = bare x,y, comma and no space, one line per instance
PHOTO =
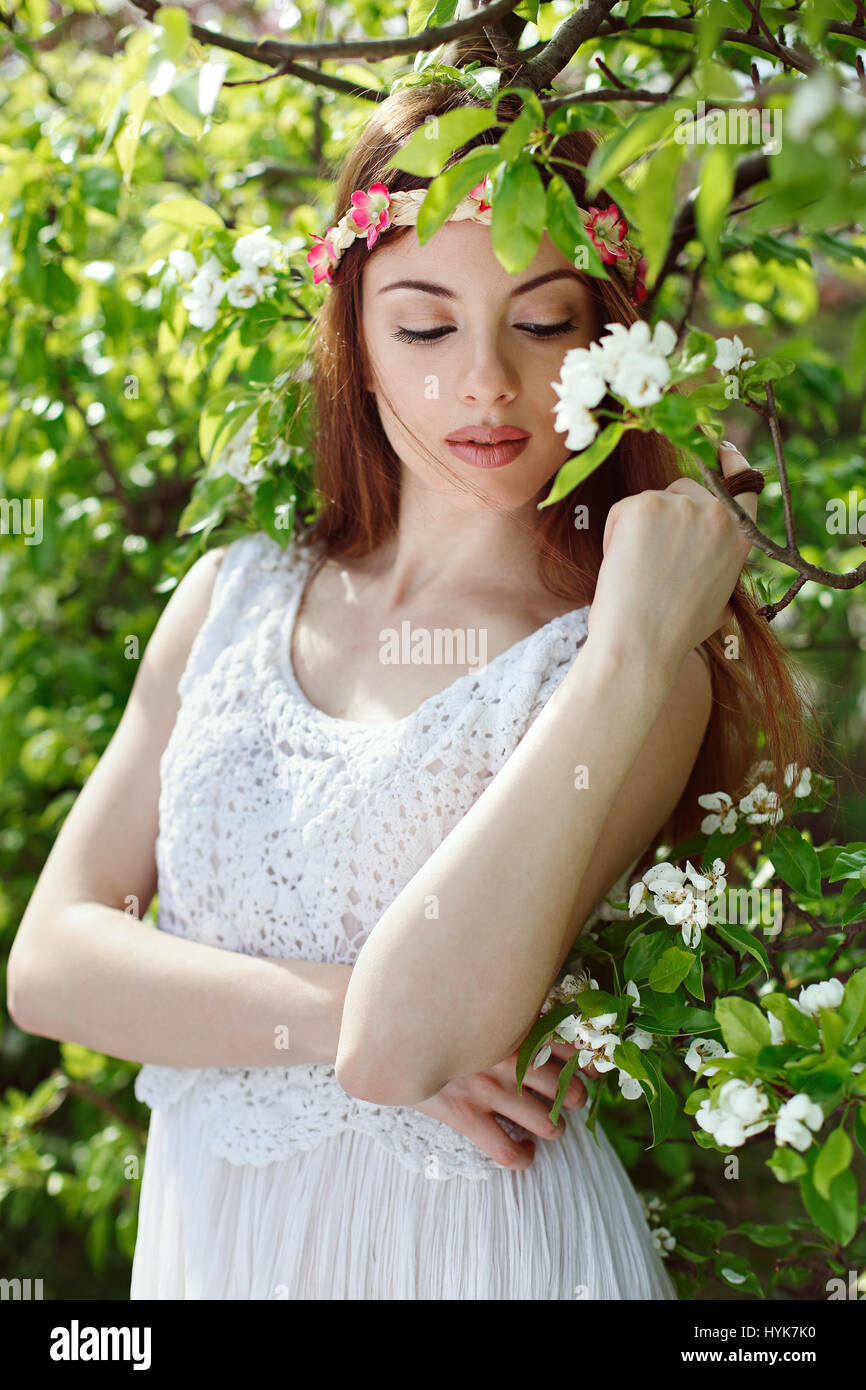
410,335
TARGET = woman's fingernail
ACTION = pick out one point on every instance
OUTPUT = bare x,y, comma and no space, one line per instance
728,445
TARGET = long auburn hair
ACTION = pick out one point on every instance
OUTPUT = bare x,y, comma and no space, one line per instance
760,704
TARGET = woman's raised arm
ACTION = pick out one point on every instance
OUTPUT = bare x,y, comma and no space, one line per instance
586,790
82,969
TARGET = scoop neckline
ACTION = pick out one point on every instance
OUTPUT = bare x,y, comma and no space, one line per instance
287,666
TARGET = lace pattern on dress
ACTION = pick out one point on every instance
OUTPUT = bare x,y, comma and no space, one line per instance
284,832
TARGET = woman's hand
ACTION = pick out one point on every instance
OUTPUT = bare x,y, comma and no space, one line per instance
672,559
467,1104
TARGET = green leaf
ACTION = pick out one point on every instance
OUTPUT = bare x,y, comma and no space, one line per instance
860,1125
175,23
849,863
629,1056
663,1104
519,206
208,504
744,1028
186,213
576,469
643,954
446,191
767,1236
714,198
566,230
694,981
565,1074
787,1165
798,1027
622,149
836,1216
852,1010
657,196
743,940
429,148
768,369
669,972
831,1030
834,1157
795,861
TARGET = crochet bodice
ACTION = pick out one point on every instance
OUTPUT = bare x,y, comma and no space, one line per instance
284,831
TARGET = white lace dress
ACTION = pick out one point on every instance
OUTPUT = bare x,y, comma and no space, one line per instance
286,832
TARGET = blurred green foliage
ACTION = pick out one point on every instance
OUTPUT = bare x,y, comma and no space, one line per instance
117,414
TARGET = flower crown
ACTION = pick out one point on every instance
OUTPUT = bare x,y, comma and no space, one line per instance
374,211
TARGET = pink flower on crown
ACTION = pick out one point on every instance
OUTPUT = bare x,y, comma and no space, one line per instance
369,212
607,229
478,192
323,257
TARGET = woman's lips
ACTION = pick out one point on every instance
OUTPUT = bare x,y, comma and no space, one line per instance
488,455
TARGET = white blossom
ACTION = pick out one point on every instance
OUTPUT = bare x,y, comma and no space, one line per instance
184,263
582,376
638,894
826,994
803,780
796,1121
640,378
737,1115
580,424
630,1087
724,815
257,251
777,1032
760,804
663,1240
732,354
247,288
205,293
235,458
701,1049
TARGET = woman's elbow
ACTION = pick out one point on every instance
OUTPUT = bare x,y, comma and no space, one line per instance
379,1086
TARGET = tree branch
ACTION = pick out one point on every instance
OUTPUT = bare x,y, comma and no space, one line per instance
557,53
771,47
276,51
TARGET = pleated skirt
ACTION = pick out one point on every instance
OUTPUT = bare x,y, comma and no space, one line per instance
347,1220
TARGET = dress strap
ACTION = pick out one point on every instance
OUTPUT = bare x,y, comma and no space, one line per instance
247,564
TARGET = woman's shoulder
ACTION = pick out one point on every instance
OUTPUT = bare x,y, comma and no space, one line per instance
221,589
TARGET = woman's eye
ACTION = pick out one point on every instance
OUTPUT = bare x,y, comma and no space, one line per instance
432,335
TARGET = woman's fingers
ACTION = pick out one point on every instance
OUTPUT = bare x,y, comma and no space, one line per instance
732,461
545,1080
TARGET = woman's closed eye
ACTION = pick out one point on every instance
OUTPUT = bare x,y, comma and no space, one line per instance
536,330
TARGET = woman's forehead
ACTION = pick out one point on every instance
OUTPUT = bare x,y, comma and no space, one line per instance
460,257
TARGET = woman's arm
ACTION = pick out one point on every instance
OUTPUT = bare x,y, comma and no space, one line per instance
84,970
586,790
517,877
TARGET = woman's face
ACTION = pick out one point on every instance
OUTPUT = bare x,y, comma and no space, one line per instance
496,343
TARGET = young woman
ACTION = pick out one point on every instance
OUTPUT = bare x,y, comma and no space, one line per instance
371,871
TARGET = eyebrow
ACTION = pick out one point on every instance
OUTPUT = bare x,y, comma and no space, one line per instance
444,293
